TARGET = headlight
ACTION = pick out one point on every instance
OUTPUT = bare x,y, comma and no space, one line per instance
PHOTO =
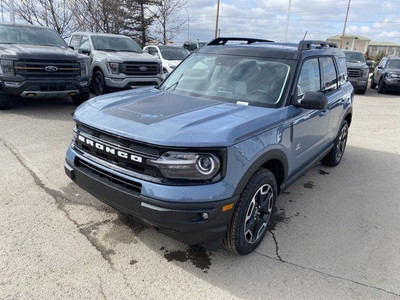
392,75
84,68
365,72
181,165
6,67
113,67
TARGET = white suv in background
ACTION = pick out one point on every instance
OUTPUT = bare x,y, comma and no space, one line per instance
171,56
117,62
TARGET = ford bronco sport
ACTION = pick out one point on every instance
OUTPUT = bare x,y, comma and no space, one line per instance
204,156
387,74
36,62
117,62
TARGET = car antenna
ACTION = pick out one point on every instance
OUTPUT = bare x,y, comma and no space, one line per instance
305,34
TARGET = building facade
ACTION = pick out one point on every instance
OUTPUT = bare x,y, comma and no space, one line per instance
389,48
351,42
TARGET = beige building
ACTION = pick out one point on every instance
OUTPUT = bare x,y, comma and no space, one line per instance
388,48
351,42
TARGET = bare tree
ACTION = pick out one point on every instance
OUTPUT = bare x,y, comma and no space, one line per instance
55,14
139,20
168,17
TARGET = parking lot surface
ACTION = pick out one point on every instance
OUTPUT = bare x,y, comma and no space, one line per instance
336,234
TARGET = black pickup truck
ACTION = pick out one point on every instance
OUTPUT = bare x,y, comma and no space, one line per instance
36,62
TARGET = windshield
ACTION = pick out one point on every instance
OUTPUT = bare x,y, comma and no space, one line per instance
115,43
393,64
248,80
355,57
30,36
171,53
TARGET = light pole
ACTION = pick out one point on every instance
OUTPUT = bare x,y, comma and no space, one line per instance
344,26
287,21
11,11
217,19
188,20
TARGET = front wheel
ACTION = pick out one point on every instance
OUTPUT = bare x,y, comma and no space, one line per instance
252,214
80,98
381,86
5,101
99,83
333,158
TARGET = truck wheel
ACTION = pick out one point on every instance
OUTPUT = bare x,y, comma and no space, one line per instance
381,86
333,158
373,84
80,98
252,214
5,101
99,84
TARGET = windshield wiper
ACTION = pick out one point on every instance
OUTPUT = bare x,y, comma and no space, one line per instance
174,85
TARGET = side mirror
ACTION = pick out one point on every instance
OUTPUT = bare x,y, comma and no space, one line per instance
379,67
370,63
84,51
313,100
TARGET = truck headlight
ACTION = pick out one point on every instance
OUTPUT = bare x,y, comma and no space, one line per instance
392,75
84,69
113,67
6,67
181,165
365,72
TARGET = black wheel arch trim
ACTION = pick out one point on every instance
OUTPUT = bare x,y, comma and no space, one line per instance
274,154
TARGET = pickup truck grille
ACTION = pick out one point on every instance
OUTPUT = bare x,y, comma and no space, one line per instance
354,72
140,68
47,69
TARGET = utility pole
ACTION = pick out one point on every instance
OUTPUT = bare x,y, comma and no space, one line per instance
217,19
287,21
344,26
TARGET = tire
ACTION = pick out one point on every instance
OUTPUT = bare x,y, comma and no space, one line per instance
362,91
381,87
333,158
98,83
253,211
80,98
373,84
5,101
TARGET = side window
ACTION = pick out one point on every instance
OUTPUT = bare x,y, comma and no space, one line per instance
84,43
329,77
341,61
75,41
383,62
309,80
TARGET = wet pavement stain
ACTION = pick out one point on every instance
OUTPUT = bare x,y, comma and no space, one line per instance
197,255
322,172
133,262
124,230
278,217
309,185
285,193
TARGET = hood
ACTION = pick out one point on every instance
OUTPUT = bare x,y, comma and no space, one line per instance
20,51
354,65
396,71
163,118
173,62
127,56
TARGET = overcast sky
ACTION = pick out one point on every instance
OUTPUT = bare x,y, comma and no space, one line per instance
376,19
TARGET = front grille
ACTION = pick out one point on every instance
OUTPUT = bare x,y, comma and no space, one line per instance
140,68
112,179
38,69
354,72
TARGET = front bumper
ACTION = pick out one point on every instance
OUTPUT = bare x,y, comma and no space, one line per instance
132,82
393,83
358,82
181,220
44,87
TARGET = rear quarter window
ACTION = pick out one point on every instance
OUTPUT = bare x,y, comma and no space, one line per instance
342,70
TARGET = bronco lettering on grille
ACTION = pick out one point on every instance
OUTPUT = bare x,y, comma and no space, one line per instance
109,150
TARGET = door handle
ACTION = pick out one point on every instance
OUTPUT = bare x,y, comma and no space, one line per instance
323,112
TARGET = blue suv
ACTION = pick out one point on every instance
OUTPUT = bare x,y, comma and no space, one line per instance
203,156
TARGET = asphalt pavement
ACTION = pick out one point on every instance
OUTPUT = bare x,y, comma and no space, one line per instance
336,234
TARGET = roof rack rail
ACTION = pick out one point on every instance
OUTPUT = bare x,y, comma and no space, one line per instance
306,45
224,40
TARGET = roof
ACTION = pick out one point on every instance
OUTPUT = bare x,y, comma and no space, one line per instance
384,44
348,36
100,34
25,25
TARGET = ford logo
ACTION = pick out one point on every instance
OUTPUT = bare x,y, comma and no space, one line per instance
51,68
143,69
